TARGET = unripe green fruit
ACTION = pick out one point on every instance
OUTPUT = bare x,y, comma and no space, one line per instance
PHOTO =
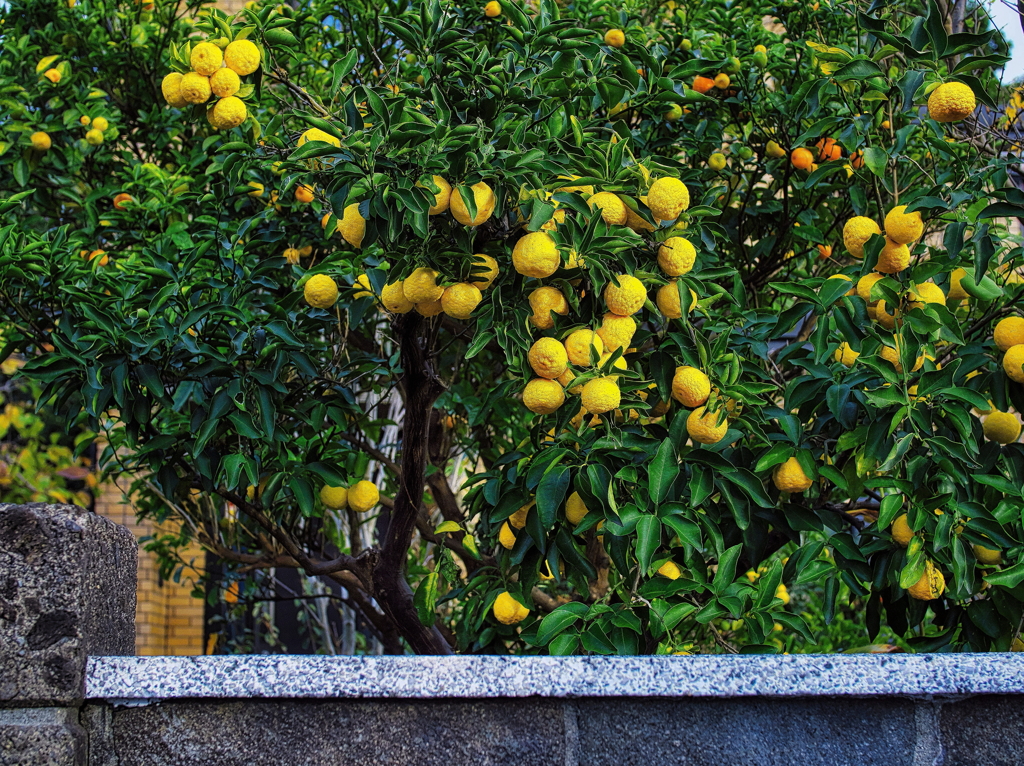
744,152
734,66
760,59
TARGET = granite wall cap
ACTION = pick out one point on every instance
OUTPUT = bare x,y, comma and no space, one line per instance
137,680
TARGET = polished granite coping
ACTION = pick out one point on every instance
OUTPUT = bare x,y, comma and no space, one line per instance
129,680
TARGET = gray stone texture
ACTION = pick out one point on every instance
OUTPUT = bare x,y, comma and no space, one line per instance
349,733
67,591
715,676
41,737
983,731
746,732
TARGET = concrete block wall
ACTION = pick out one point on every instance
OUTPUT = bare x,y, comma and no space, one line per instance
70,694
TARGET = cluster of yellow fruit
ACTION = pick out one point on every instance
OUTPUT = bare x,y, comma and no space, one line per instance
1005,427
214,73
420,291
555,362
360,497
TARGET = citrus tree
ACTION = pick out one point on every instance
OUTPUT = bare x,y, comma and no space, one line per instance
554,328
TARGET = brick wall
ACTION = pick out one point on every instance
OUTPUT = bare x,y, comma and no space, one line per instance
168,620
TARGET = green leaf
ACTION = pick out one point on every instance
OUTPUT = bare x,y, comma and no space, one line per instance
648,539
726,569
663,471
858,69
425,599
558,620
1007,578
551,492
876,160
888,510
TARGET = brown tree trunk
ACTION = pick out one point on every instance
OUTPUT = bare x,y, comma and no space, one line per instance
421,386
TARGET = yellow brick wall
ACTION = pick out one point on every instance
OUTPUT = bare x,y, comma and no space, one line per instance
167,619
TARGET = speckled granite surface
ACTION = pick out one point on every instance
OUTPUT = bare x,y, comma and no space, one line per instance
155,678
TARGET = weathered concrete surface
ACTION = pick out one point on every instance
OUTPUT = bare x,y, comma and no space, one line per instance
746,732
983,731
67,591
41,737
297,733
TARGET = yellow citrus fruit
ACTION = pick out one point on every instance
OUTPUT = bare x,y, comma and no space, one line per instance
315,134
578,345
613,210
690,387
431,309
635,222
987,556
846,355
1008,332
600,395
53,75
548,358
717,161
668,198
790,477
40,141
1013,363
857,232
884,318
484,199
485,271
722,81
575,509
492,9
459,300
773,150
566,378
668,303
704,428
335,498
536,255
206,58
225,82
352,225
951,102
170,86
320,291
362,496
926,292
543,301
362,281
518,519
615,38
1002,427
893,258
257,189
627,297
930,586
442,198
864,285
901,531
291,255
303,192
507,610
195,88
242,56
956,291
100,123
616,331
506,536
903,227
676,256
228,113
394,299
543,396
421,286
94,137
671,570
892,356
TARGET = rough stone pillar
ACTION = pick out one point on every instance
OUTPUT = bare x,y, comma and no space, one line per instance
67,591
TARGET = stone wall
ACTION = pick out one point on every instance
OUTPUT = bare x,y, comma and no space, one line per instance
69,695
168,619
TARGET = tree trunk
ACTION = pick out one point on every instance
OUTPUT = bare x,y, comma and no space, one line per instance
421,386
